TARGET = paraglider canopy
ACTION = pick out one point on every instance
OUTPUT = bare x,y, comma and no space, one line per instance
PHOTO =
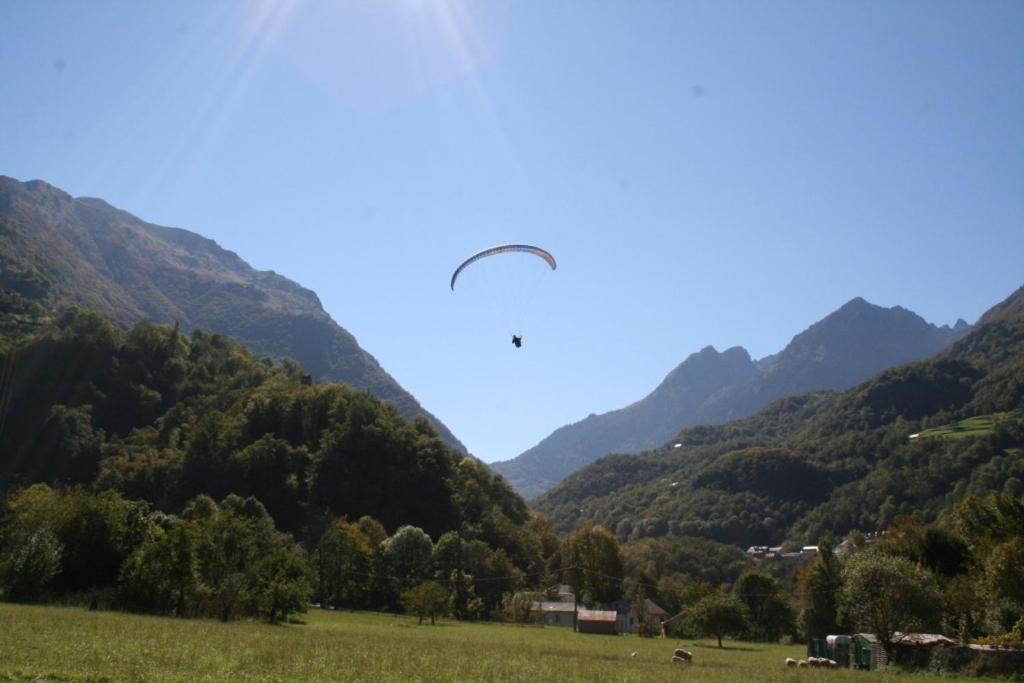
504,249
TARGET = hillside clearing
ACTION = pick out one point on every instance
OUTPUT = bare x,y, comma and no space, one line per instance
979,425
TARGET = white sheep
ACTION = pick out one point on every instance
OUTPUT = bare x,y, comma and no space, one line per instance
790,661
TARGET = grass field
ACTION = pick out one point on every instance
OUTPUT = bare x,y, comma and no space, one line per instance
68,644
972,426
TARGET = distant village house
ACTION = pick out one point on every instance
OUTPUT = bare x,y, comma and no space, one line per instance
625,615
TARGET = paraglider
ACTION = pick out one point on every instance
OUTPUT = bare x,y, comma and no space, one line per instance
504,249
506,281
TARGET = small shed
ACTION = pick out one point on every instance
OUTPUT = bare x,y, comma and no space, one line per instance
555,613
917,650
839,648
596,621
629,614
868,652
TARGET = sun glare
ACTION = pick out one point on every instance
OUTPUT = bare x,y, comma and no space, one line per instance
377,55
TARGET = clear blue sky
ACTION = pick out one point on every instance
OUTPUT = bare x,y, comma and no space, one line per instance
720,173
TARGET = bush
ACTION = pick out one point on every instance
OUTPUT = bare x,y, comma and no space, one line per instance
30,566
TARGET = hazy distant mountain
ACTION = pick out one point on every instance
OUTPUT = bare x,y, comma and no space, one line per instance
846,347
913,440
85,252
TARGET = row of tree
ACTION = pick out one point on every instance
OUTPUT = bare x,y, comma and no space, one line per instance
229,560
225,560
965,580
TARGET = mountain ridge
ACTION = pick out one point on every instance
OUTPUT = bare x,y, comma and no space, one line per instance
95,255
889,446
709,387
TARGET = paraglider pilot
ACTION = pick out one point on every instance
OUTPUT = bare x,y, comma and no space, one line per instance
517,341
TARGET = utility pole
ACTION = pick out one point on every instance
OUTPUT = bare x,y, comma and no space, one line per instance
577,580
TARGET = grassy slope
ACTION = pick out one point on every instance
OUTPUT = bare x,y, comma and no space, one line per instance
972,426
74,644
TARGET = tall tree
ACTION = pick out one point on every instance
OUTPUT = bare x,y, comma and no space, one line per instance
452,568
885,594
767,604
596,566
344,564
408,556
821,584
1004,581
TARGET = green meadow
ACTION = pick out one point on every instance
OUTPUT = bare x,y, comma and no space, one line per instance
972,426
71,644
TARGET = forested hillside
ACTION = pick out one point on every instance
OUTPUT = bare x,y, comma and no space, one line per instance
827,461
56,250
846,347
195,478
162,416
154,471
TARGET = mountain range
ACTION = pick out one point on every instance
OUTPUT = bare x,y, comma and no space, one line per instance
711,387
912,441
83,252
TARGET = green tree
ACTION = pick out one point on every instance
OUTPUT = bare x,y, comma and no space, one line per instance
373,531
1004,570
988,521
98,532
720,615
232,538
28,566
407,556
30,551
162,575
282,584
221,560
884,594
452,562
941,551
182,565
767,605
274,472
426,599
963,608
1004,581
821,584
596,565
499,577
344,562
